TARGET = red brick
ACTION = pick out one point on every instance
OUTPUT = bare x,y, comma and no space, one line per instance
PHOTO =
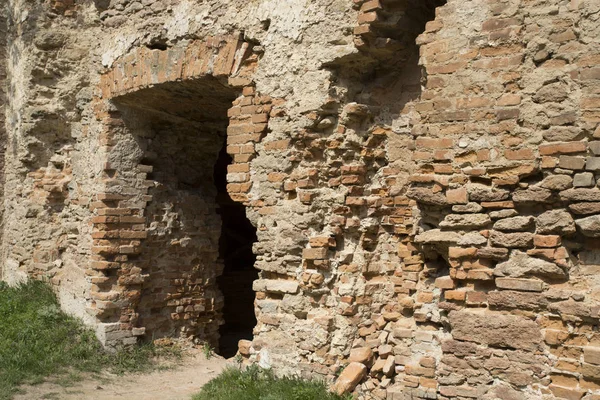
563,148
546,240
521,154
429,143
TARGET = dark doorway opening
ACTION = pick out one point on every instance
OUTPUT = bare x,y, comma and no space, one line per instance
195,231
235,250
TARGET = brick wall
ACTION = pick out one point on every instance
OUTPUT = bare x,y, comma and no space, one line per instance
424,188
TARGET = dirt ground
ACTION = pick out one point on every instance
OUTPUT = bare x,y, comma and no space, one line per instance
177,383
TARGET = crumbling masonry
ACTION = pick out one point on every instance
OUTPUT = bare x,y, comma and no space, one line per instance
406,192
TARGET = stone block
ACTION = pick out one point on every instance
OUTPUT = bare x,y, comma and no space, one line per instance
514,224
589,226
521,265
593,164
516,240
318,253
350,377
584,179
363,355
495,330
591,355
529,285
571,162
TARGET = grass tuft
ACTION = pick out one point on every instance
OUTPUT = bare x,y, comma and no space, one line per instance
38,340
254,383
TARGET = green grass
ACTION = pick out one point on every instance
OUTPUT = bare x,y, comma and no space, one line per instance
37,340
254,383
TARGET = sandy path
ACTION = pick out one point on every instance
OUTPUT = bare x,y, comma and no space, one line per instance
178,383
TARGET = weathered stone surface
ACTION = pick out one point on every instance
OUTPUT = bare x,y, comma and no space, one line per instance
503,214
350,377
481,193
493,253
363,355
465,221
570,309
532,195
427,196
436,236
467,208
580,194
472,239
591,355
593,164
555,221
584,179
495,330
389,366
275,286
585,208
521,265
557,182
518,240
529,285
514,224
508,299
589,226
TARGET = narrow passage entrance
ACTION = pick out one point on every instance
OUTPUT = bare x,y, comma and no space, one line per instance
235,250
195,231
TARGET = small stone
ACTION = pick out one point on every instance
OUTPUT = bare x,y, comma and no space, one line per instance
589,226
467,208
584,179
580,194
518,240
514,224
465,221
427,196
503,213
384,350
326,123
362,355
595,147
593,164
521,265
532,195
571,162
492,253
350,377
555,221
378,366
591,355
528,285
434,236
457,196
485,193
244,347
471,239
389,368
585,208
557,182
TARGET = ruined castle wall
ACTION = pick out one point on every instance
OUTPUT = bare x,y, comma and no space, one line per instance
422,176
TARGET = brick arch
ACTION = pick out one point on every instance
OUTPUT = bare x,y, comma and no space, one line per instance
118,209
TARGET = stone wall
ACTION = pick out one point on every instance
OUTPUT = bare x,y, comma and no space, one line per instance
422,176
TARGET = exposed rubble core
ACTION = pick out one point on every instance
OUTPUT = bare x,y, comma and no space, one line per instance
418,182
